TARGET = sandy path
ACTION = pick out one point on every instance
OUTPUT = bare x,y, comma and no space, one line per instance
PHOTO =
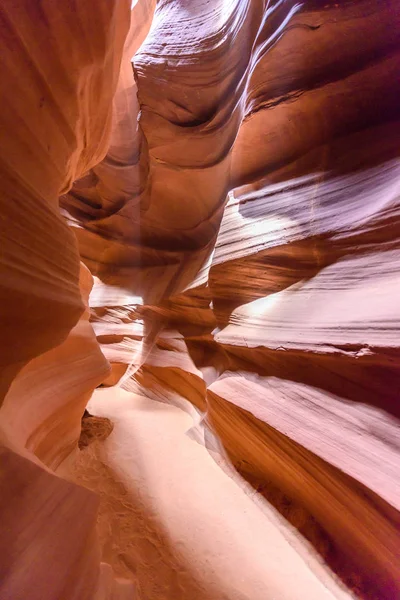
176,522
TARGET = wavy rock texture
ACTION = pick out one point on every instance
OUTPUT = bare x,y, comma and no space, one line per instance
286,338
59,70
50,137
241,220
68,374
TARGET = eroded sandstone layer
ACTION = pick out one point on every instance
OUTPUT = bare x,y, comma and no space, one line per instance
228,171
59,69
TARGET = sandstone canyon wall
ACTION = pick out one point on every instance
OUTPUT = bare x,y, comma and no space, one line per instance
228,172
59,69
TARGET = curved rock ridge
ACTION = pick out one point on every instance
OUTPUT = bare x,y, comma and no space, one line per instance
188,111
271,134
119,178
241,90
228,172
68,374
59,69
54,127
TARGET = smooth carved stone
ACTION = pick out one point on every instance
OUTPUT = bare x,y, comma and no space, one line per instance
260,425
54,124
59,71
67,374
48,541
233,188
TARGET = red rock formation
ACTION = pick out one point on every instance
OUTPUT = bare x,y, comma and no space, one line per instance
68,374
59,69
54,126
241,220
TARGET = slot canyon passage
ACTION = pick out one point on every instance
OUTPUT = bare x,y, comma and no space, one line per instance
200,300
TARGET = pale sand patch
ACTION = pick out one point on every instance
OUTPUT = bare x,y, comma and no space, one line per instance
178,524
